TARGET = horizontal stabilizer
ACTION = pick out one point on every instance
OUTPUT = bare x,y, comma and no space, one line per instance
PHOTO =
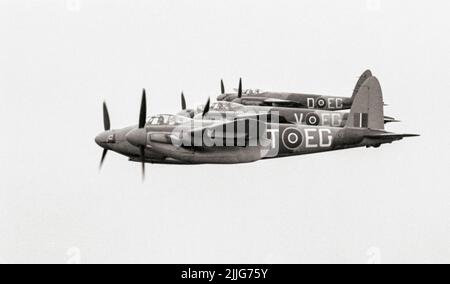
388,119
390,136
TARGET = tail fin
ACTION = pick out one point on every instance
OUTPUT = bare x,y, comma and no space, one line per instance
367,109
366,75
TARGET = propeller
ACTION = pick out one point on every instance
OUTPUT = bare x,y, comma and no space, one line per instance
207,107
222,87
184,108
107,126
105,151
240,89
183,102
142,121
106,121
142,152
143,111
139,131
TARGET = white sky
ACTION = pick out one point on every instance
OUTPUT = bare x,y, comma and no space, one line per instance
59,61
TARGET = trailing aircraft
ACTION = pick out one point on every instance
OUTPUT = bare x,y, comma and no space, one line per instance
292,115
295,100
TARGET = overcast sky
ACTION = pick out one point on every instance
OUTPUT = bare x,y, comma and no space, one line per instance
60,59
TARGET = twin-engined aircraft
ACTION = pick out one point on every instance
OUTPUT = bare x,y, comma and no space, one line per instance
298,100
232,136
230,105
315,117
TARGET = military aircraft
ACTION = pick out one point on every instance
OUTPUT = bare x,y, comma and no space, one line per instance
177,139
286,114
296,115
223,110
296,100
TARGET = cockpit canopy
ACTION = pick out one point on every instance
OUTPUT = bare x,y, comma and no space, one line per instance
222,111
252,92
167,120
227,106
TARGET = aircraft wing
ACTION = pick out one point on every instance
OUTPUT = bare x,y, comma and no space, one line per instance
280,102
264,116
240,127
237,129
181,148
259,100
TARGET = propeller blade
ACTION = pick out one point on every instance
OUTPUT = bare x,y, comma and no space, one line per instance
222,87
143,112
183,102
106,121
240,89
207,106
142,150
105,151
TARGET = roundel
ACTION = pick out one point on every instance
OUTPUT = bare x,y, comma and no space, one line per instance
292,138
312,119
321,103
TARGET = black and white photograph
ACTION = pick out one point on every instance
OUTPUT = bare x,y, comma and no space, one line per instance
223,139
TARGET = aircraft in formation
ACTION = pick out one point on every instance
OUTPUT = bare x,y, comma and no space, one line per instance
249,126
299,100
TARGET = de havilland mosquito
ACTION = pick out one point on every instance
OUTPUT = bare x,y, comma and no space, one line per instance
287,114
244,137
284,99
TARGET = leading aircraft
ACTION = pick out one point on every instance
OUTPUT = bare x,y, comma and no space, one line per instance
177,139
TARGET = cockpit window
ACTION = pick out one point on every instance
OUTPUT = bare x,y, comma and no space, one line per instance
167,120
252,92
211,116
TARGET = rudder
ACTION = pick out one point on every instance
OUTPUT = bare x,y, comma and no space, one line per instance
368,108
366,75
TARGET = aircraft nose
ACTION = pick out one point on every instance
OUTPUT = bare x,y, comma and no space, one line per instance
137,137
102,139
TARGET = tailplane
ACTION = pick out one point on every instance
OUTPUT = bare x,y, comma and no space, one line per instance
390,136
